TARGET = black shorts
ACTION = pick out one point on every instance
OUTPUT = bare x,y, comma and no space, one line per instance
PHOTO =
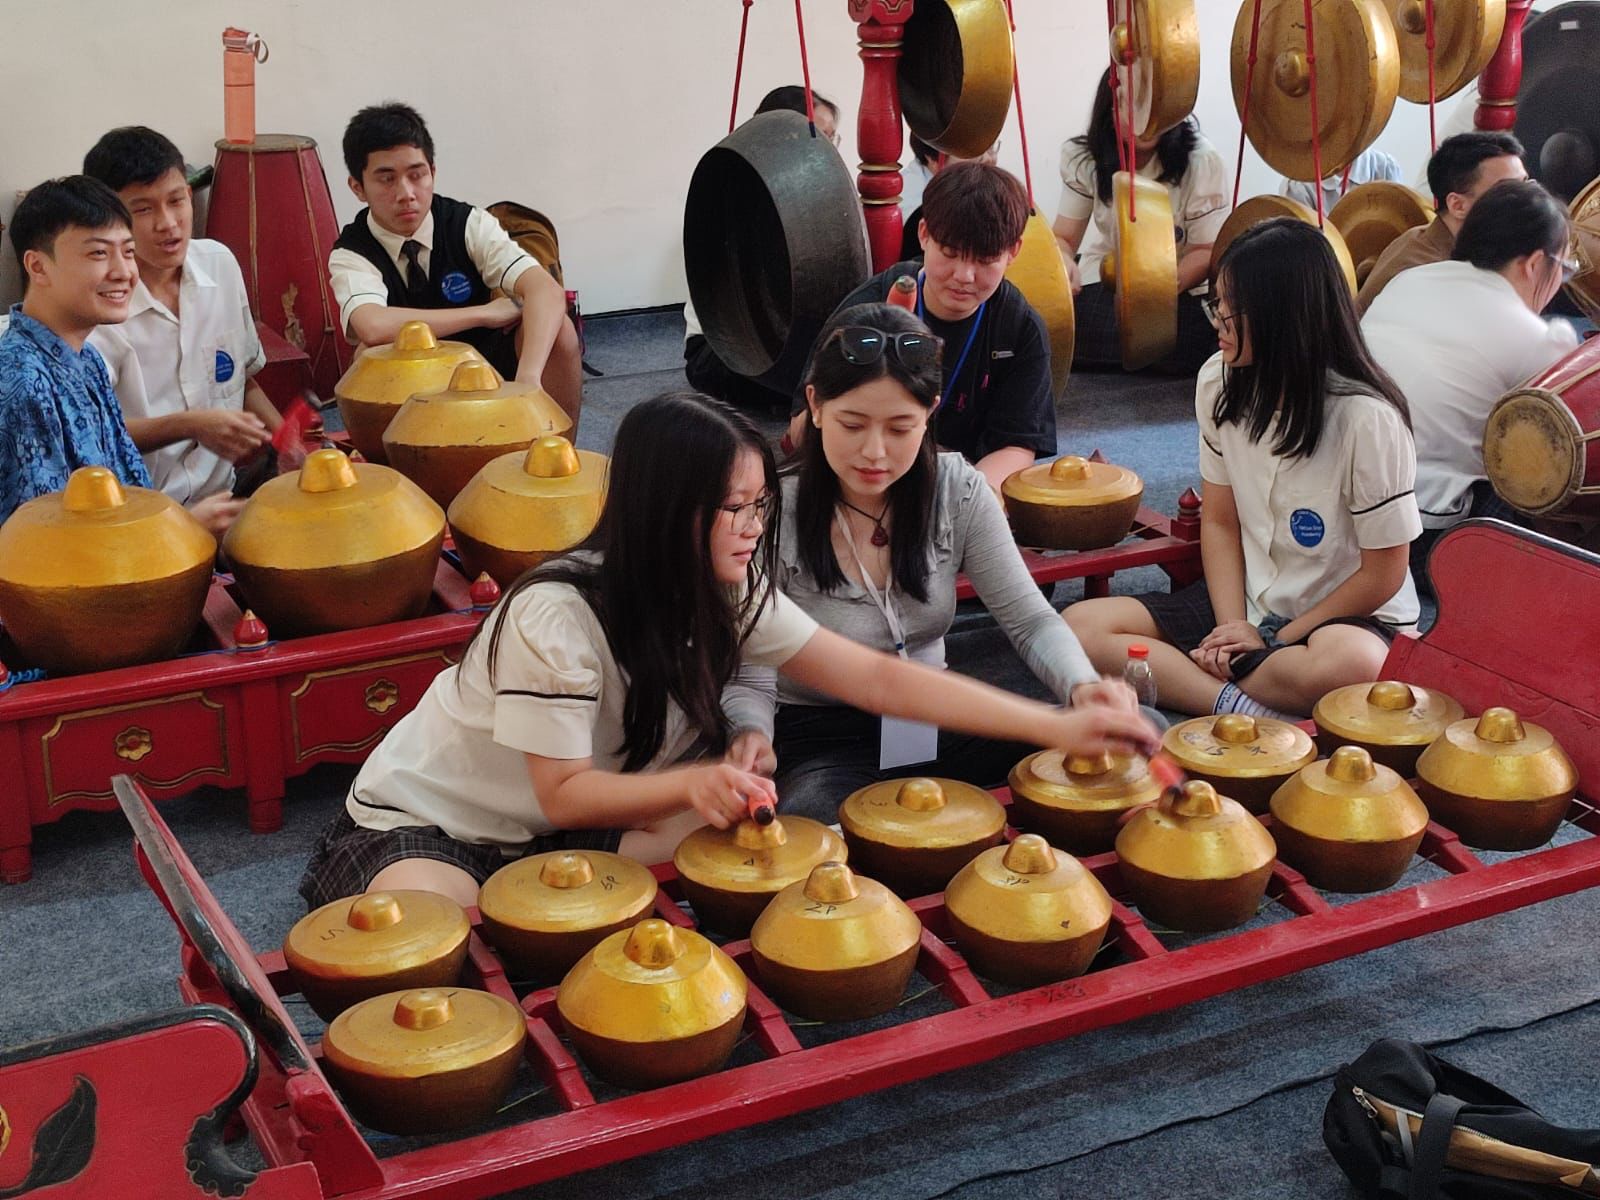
1184,619
347,856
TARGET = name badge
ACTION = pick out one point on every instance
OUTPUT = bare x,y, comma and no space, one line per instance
906,743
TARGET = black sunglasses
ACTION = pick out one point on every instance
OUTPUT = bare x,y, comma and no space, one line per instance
863,345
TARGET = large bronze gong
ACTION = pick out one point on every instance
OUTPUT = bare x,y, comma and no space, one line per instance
1372,215
1257,209
1465,34
1558,103
1040,274
772,241
1155,45
1143,270
1585,286
955,74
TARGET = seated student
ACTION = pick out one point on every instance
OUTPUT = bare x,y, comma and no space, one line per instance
876,526
412,255
998,411
1463,168
701,367
1308,513
1456,336
183,360
1086,226
1370,166
576,713
928,162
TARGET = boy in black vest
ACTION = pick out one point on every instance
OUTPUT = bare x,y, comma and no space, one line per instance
411,255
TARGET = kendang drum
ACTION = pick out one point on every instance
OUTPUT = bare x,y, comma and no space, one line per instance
1541,444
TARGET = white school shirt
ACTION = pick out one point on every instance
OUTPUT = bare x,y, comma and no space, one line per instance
456,760
356,281
162,363
1199,203
1305,521
1456,339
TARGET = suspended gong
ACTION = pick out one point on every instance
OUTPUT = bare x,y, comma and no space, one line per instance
1143,270
1155,45
1358,75
955,74
1558,103
1372,215
1465,34
1585,286
1257,209
1040,274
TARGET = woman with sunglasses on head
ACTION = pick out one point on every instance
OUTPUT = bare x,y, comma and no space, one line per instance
1309,510
877,524
586,712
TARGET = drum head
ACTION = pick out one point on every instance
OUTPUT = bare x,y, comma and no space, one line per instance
1533,452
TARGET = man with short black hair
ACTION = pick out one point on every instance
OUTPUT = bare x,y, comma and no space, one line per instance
996,408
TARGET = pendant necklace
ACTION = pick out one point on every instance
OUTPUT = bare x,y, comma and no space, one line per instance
880,535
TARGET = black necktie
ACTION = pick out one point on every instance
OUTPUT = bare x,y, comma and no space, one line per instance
416,277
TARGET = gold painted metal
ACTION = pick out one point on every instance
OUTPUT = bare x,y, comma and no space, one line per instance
1393,721
729,875
1040,274
1073,503
1196,860
1026,914
426,1059
545,912
381,379
1246,758
133,743
99,575
1465,35
340,545
1155,45
1358,77
1371,215
955,74
915,834
440,440
523,508
1347,823
1500,782
1075,801
1143,270
364,946
1257,209
1584,287
653,1005
836,947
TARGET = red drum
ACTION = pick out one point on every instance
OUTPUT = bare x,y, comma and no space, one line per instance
1541,446
270,205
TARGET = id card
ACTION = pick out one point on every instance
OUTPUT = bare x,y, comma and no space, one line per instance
906,743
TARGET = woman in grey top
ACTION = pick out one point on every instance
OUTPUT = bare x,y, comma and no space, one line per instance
877,524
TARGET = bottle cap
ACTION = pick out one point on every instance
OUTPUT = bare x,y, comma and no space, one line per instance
1138,650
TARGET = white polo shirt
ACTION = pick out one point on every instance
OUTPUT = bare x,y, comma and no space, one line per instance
499,260
1456,339
456,760
163,363
1305,521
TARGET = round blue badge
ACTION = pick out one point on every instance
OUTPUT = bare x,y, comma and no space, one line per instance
455,287
1306,526
224,366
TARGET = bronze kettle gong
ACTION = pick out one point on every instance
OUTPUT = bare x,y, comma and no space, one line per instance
1393,721
1500,782
914,834
1076,800
730,875
1245,758
1347,823
382,378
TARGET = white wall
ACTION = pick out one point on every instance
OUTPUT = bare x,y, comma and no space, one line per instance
593,112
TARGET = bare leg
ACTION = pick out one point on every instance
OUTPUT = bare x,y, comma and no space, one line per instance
427,875
563,373
1107,627
1296,677
655,843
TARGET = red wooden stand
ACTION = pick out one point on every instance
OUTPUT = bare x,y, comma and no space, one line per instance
1497,86
878,139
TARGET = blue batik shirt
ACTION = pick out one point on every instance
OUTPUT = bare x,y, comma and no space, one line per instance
57,413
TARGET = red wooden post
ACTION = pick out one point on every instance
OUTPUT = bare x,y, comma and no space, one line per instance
1497,86
882,25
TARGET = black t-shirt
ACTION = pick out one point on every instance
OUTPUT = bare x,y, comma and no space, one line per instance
1003,396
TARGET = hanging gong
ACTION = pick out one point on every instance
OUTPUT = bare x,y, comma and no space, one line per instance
1372,215
1585,286
1465,36
1358,75
955,74
1257,209
1558,102
1143,271
1155,45
1040,274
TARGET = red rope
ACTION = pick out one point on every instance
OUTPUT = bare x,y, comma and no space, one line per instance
738,66
1344,184
1433,132
1249,87
1016,90
1133,150
1316,120
805,68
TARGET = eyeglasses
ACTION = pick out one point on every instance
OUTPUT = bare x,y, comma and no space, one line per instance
1212,307
1569,268
752,514
863,345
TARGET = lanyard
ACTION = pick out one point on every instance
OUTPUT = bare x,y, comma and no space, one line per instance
884,599
972,335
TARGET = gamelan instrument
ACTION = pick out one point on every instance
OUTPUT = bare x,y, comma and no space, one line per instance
1500,782
1026,914
915,834
1245,758
545,912
1347,823
1076,801
1155,50
653,1005
1142,269
100,575
1584,287
337,545
365,946
1557,106
836,946
730,875
1371,215
955,74
440,440
1073,503
1541,444
1394,722
1465,34
1257,209
383,378
1040,274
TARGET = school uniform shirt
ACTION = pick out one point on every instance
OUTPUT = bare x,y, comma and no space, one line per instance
162,363
1370,166
1416,247
1002,394
1199,203
1305,521
1456,339
456,760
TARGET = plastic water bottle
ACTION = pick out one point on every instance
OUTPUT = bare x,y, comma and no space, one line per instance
1136,674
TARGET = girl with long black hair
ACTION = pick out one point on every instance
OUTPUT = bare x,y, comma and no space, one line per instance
587,710
1309,506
